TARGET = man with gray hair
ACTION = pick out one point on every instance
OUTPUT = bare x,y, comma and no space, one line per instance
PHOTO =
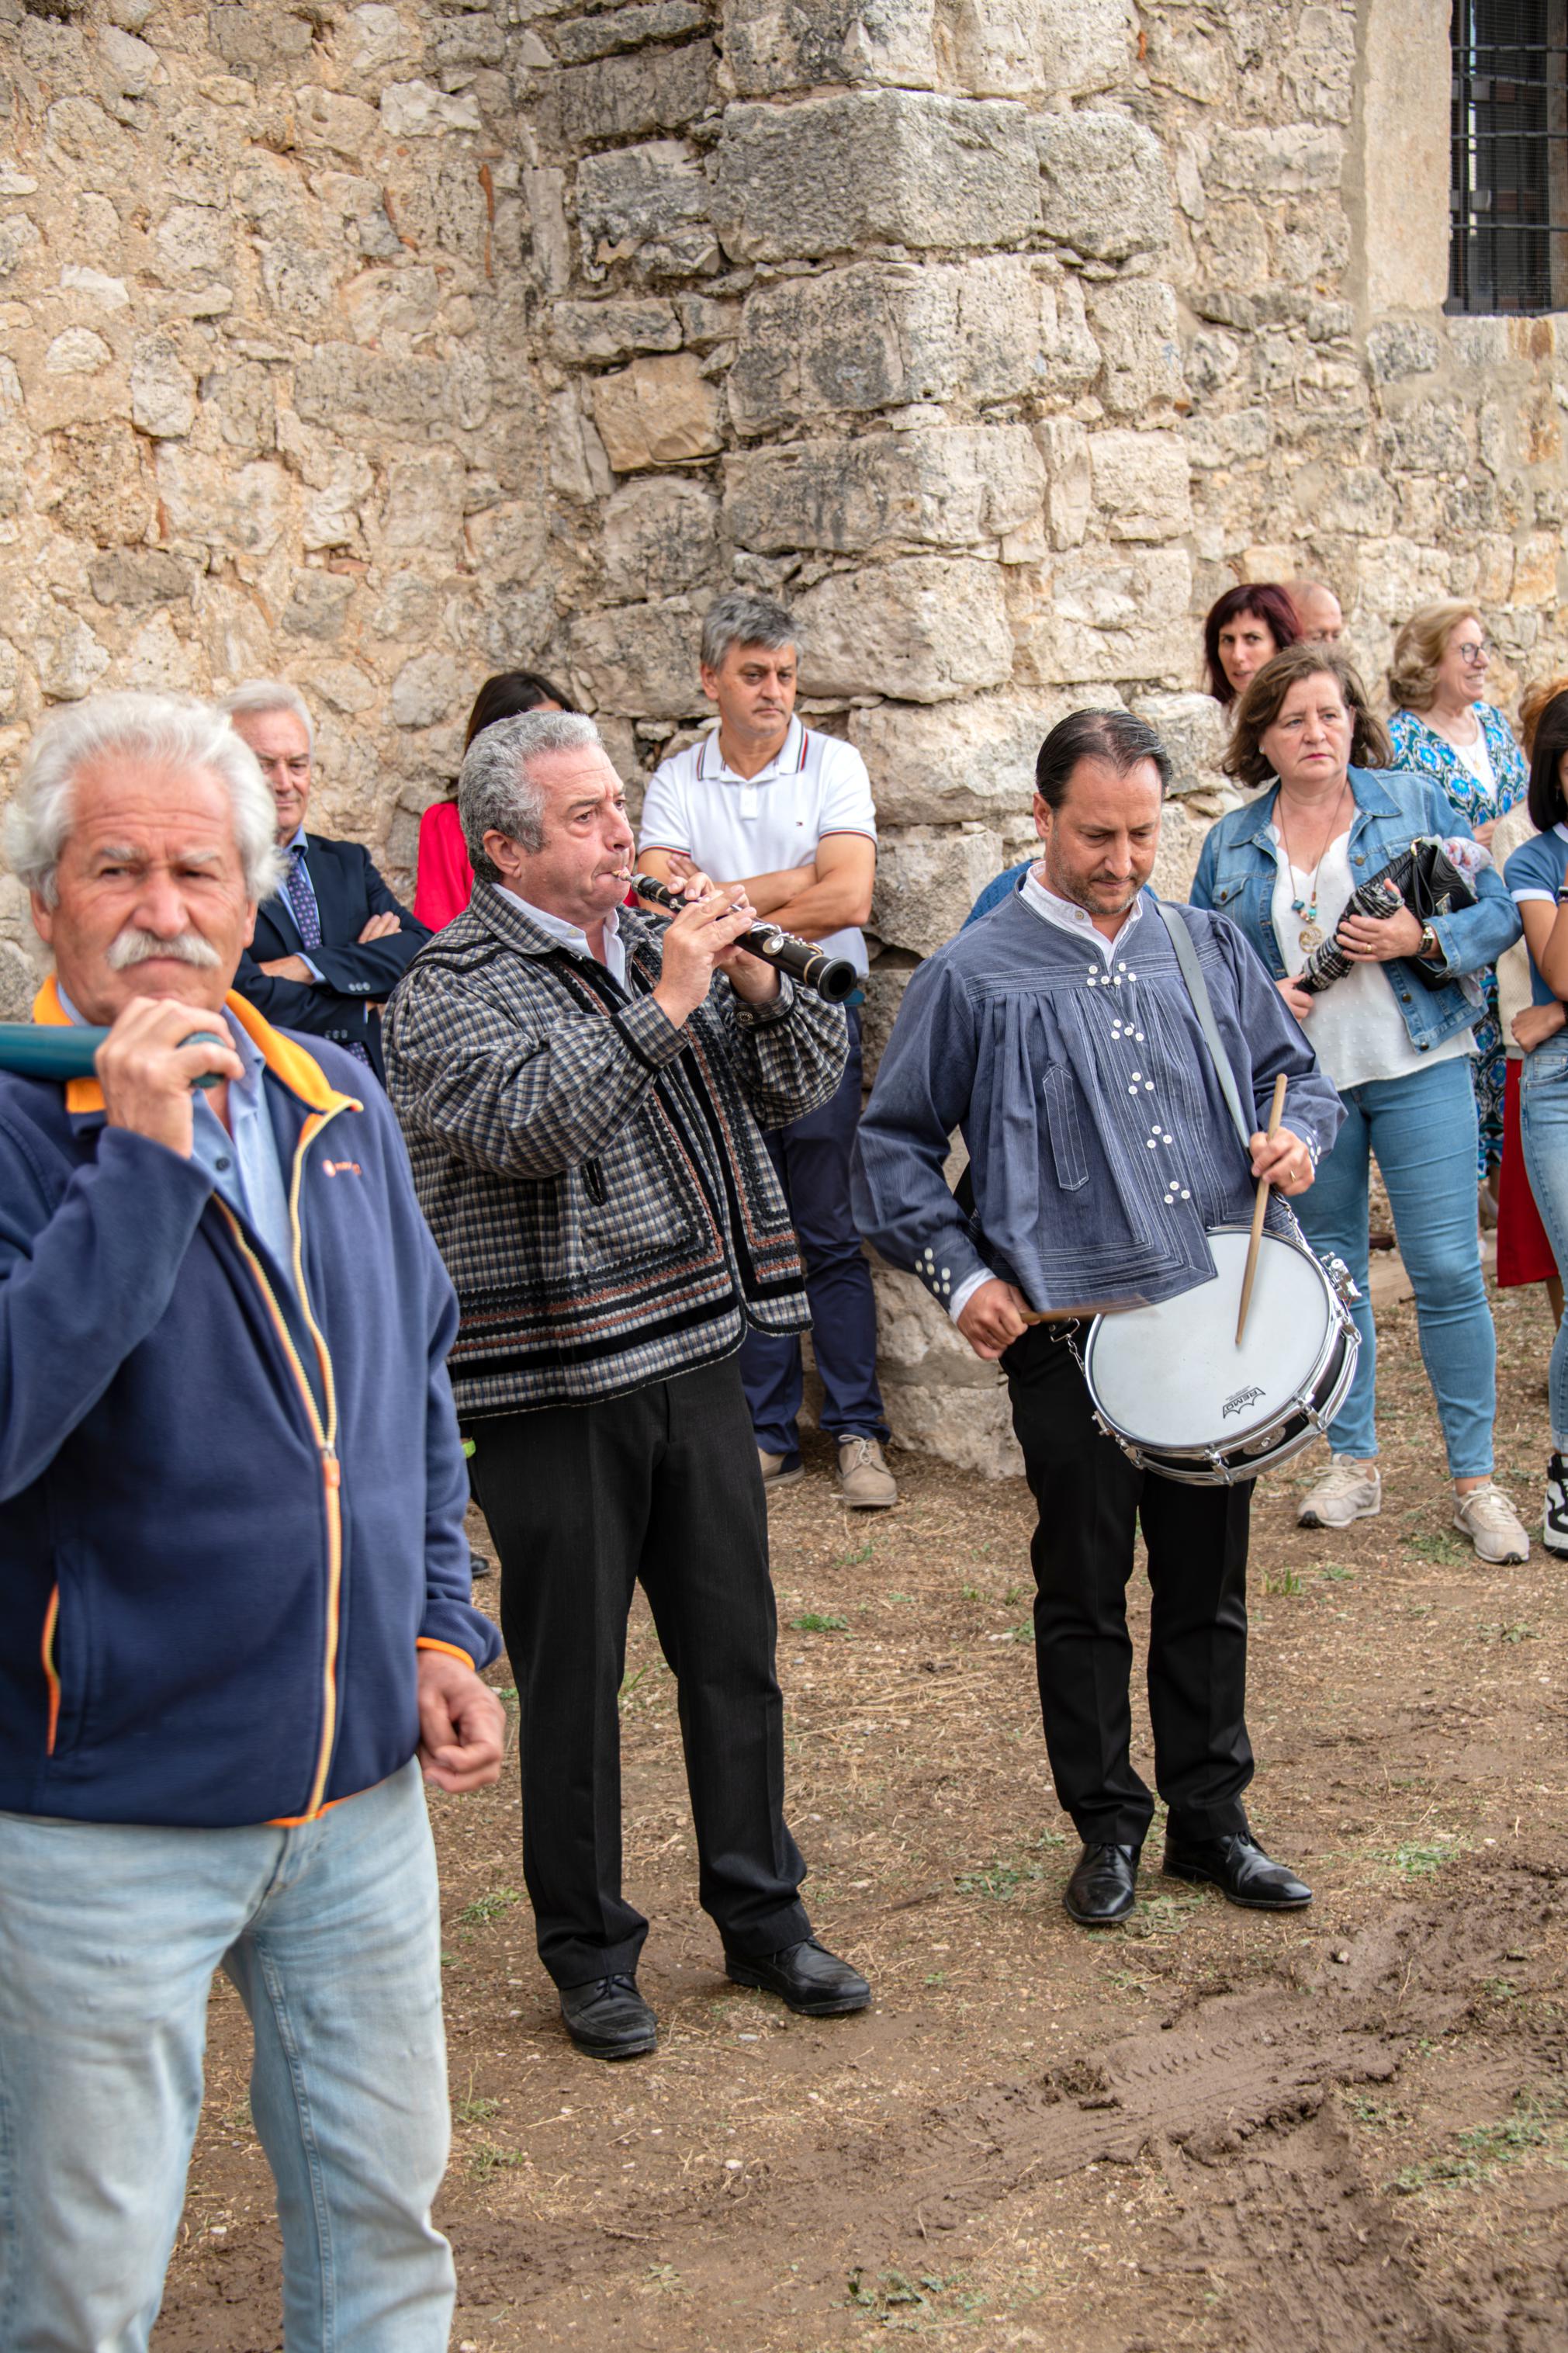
784,812
333,942
237,1627
583,1087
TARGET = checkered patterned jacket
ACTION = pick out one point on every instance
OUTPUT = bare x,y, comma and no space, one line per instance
596,1179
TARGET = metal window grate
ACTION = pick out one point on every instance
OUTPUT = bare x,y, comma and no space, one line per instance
1508,246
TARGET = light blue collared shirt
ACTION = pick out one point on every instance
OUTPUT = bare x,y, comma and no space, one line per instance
242,1159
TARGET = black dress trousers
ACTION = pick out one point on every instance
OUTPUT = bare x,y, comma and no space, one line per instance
583,1500
1090,1499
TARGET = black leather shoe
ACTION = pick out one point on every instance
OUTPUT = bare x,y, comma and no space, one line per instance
806,1978
1238,1867
608,2018
1103,1887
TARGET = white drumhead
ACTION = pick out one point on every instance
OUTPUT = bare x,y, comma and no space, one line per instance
1172,1375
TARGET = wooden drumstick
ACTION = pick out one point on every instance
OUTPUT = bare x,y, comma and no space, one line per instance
1276,1113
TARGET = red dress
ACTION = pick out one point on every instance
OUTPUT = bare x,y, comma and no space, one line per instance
1523,1252
442,880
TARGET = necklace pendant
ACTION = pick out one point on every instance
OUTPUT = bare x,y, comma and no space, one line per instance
1311,935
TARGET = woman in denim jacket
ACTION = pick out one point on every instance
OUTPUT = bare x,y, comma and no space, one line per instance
1397,1049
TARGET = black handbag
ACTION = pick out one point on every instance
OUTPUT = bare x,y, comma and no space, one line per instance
1423,877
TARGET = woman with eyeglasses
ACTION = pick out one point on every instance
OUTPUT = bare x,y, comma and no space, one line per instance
1443,728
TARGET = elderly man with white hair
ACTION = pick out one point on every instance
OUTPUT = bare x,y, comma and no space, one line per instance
236,1628
332,940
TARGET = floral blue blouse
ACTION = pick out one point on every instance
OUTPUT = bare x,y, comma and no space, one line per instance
1417,745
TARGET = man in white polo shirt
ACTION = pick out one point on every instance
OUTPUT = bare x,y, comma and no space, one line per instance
787,811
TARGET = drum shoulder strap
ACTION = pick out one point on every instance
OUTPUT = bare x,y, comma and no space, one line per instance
1203,1004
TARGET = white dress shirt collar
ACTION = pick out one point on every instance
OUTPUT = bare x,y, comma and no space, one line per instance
570,935
1069,916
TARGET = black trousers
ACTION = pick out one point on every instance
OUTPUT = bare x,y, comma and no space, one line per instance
1090,1500
583,1500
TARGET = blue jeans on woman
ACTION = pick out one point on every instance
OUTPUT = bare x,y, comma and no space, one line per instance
110,1935
1422,1128
1543,1123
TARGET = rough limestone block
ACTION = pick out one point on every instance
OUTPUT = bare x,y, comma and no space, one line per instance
900,167
626,29
659,537
323,118
1192,729
623,98
648,205
956,487
1136,326
991,49
244,510
656,412
424,502
1104,188
1106,613
927,880
1140,484
163,392
318,605
1293,159
1070,483
879,334
582,332
427,690
957,763
1037,48
138,579
924,629
639,661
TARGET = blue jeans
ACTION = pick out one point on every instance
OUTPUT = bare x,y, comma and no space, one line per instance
1423,1130
109,1940
1543,1123
812,1157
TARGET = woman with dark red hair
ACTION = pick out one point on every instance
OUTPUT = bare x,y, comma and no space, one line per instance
1246,628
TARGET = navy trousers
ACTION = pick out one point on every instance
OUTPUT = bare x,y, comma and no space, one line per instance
812,1157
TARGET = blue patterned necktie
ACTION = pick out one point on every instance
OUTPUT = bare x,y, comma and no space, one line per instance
302,898
307,915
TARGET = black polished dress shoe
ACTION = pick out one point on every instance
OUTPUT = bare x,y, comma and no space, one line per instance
806,1978
608,2018
1238,1867
1103,1887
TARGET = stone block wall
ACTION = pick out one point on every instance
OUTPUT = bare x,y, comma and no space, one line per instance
387,345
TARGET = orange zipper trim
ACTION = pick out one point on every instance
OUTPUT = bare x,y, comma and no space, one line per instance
51,1672
325,1434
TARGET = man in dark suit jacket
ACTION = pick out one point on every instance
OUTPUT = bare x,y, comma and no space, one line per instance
334,943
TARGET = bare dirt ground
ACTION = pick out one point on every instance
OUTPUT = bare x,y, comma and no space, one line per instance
1208,2130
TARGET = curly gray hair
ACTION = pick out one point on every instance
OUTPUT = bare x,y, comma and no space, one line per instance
175,731
495,792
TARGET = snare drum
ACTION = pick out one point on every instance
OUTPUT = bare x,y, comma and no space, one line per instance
1171,1387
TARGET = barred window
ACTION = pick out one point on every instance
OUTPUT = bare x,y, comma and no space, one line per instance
1509,181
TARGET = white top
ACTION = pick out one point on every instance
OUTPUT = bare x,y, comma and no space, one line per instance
1067,916
570,936
1477,759
1355,1028
735,825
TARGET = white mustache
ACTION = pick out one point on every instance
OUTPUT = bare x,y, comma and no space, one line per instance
134,946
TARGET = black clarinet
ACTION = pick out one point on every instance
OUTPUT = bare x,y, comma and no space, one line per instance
834,977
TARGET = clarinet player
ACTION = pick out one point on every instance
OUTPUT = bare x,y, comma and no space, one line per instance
583,1089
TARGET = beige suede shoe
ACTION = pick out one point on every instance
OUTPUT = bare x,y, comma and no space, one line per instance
864,1482
774,1475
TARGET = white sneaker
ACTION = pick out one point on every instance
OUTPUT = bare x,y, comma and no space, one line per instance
1347,1491
1492,1524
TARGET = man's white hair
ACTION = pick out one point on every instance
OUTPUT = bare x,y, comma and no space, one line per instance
258,695
174,730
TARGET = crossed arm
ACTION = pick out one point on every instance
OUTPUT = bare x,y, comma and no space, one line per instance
830,893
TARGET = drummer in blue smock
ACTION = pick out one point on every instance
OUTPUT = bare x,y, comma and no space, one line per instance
1058,1034
1396,1034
